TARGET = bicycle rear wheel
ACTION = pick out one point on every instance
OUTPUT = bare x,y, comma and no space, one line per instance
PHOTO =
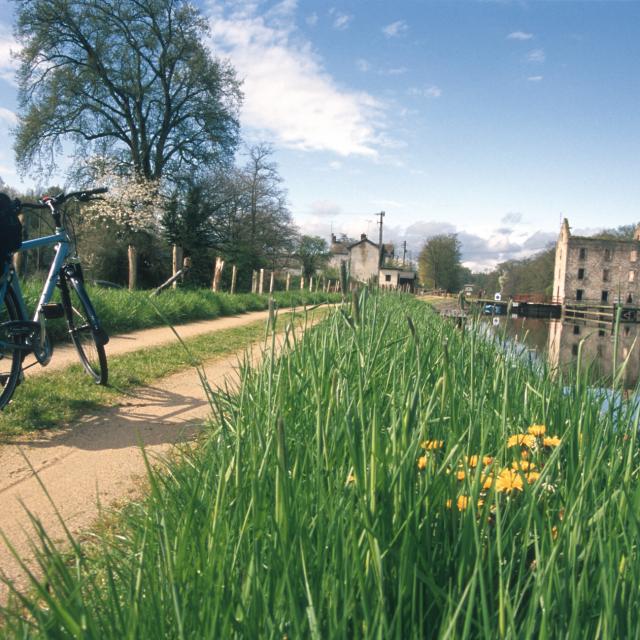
80,318
10,359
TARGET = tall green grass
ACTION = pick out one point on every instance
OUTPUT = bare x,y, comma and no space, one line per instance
121,310
314,510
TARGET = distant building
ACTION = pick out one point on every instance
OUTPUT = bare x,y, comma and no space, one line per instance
397,277
596,271
361,257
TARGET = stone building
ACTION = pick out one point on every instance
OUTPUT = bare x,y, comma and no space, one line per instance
362,257
397,277
596,271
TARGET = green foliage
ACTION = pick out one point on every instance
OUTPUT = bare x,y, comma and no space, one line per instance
313,252
309,512
439,263
130,79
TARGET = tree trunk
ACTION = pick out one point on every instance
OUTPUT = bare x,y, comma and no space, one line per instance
217,274
132,253
271,281
288,285
261,285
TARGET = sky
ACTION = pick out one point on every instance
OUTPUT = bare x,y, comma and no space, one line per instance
492,119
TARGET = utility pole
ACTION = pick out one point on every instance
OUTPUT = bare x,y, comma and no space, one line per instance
380,252
404,251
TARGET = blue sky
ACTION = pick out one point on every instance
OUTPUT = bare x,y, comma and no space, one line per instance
492,119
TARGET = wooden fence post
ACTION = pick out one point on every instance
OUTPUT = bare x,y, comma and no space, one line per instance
301,283
217,274
234,278
254,282
261,285
271,281
311,283
288,283
176,262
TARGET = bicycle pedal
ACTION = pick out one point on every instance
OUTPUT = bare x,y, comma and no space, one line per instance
17,328
52,310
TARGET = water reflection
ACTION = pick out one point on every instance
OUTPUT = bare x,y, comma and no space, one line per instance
559,342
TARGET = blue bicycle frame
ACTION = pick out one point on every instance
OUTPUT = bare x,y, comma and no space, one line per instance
9,279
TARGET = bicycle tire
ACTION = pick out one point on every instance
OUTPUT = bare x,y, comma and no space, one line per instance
78,311
10,359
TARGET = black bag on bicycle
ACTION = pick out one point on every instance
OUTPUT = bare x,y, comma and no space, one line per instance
10,228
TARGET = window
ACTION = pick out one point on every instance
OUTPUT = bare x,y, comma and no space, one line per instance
605,275
582,254
607,254
579,293
581,274
604,296
632,276
387,278
576,329
574,349
634,256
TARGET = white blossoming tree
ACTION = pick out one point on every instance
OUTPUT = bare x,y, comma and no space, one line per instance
132,205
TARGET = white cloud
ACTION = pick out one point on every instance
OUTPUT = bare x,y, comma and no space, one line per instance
312,20
536,55
395,71
7,116
395,29
289,95
432,91
519,35
535,78
8,45
342,21
363,65
336,165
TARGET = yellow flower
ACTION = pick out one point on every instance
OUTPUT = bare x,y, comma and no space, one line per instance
532,476
554,532
460,474
551,441
487,460
487,481
472,461
448,503
508,481
537,429
523,465
463,502
524,455
521,440
432,444
422,462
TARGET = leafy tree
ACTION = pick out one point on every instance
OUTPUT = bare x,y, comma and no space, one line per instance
130,79
313,252
439,262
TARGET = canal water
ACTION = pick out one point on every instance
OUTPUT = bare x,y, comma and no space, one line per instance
559,342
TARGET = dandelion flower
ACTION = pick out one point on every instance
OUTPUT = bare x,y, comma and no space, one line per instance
509,481
554,532
521,440
462,503
351,478
523,465
487,460
524,455
472,461
448,503
460,474
537,429
422,462
432,444
551,441
487,481
532,476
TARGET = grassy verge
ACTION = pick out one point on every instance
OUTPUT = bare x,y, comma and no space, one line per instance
392,477
121,310
56,399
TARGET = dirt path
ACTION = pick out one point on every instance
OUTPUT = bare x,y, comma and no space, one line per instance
65,355
99,459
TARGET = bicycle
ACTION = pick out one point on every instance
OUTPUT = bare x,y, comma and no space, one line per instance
20,335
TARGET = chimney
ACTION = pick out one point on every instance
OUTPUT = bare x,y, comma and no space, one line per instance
363,236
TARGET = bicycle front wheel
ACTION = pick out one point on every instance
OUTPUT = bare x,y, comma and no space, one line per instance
10,358
80,318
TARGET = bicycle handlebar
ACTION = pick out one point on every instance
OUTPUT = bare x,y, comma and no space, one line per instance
47,201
